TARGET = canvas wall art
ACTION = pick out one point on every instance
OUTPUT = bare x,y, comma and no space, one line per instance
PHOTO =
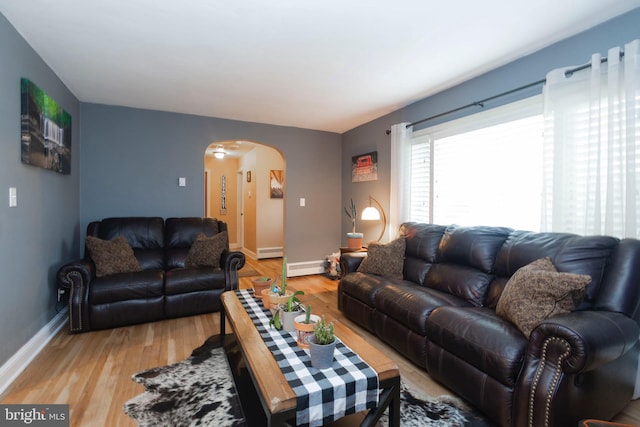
45,130
276,181
364,167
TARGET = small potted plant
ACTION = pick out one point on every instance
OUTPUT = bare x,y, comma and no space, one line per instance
322,344
278,295
354,240
286,313
303,325
261,284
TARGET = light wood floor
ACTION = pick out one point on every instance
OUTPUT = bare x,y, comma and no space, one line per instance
92,371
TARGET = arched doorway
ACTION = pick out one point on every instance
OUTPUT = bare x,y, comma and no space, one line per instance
238,184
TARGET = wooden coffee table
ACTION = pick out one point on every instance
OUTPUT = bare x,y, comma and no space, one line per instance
272,389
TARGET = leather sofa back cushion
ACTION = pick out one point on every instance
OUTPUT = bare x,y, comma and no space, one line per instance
145,236
459,280
569,253
474,247
538,291
111,256
180,234
422,241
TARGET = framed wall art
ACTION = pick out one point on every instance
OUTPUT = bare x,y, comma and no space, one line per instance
364,167
45,130
276,183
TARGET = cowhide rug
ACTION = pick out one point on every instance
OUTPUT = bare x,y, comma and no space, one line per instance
200,391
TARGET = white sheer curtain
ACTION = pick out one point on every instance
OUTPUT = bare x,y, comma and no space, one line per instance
592,146
400,197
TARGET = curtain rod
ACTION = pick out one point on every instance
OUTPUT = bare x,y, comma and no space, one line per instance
480,103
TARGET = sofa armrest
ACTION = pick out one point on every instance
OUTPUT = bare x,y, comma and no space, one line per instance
578,363
75,277
350,261
595,338
231,262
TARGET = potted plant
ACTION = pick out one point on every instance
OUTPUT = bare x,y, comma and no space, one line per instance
261,284
286,313
322,344
354,240
303,325
278,295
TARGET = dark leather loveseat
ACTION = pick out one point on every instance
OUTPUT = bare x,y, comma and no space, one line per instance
162,288
442,316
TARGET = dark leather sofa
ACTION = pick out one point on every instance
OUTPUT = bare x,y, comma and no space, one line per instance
441,316
163,288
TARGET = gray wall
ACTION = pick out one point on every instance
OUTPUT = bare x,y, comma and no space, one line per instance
41,233
576,50
132,158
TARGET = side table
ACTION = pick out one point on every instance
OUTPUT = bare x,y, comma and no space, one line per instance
345,249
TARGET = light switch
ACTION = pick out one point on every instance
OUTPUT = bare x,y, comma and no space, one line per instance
182,181
13,197
302,202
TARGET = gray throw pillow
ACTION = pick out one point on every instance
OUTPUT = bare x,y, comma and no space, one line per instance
206,251
538,291
385,259
111,256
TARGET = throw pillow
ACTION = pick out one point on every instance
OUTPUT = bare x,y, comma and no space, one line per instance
538,291
111,256
385,259
205,251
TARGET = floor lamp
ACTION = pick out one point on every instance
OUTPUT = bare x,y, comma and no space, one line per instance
371,213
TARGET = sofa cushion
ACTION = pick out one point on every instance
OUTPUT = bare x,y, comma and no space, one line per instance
180,234
384,259
186,280
145,236
481,338
422,242
475,247
111,256
568,252
127,286
206,251
538,291
411,305
459,280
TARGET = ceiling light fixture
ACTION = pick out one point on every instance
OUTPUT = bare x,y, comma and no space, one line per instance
218,153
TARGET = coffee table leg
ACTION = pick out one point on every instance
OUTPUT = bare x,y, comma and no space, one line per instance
394,405
389,398
222,322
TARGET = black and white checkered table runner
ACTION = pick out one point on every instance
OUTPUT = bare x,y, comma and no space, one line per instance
349,386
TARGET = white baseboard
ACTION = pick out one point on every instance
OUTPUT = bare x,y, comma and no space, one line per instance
306,267
21,359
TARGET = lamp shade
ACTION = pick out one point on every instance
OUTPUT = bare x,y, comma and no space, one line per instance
370,214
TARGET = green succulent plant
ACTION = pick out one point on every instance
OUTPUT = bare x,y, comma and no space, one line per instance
324,332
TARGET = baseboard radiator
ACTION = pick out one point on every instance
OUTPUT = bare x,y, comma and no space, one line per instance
306,268
264,253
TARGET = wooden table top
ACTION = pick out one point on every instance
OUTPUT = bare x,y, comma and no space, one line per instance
271,382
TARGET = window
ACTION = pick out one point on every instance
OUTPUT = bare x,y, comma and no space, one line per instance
484,169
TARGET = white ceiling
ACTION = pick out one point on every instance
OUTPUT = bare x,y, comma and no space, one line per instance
329,65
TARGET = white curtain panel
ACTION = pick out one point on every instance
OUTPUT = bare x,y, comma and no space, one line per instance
400,197
592,146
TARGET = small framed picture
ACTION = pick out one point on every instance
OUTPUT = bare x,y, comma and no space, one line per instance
248,176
